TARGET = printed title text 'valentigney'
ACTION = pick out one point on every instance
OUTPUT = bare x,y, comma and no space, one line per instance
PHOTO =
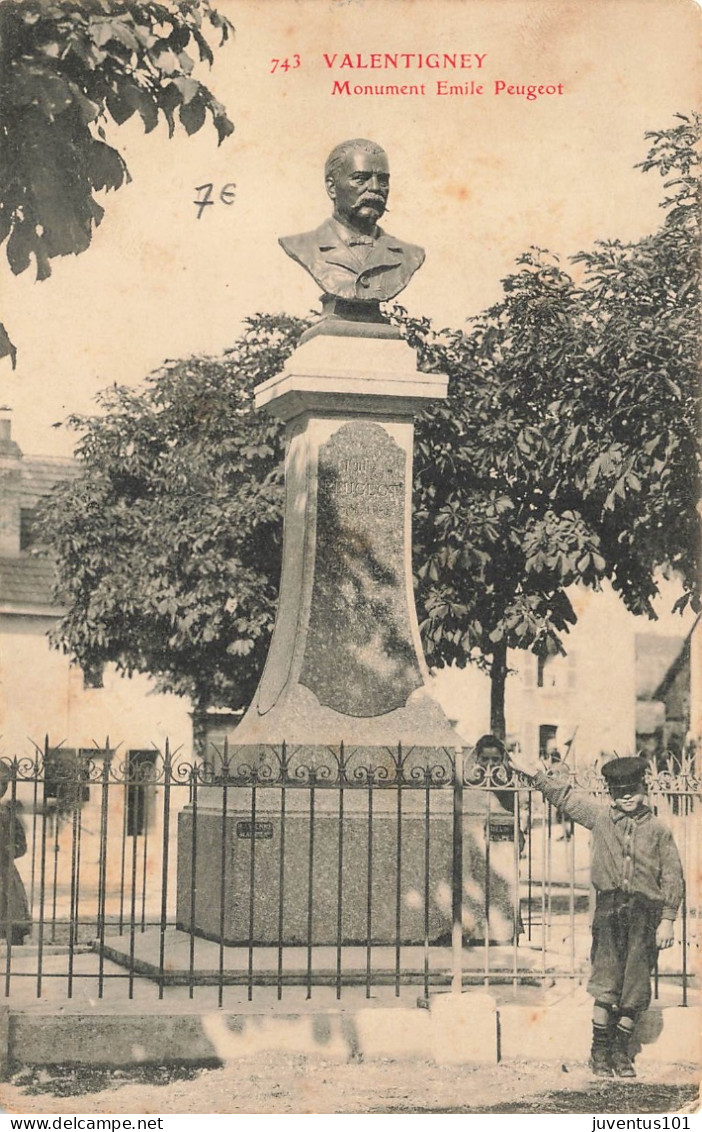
401,60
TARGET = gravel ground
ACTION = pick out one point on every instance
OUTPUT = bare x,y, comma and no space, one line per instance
285,1083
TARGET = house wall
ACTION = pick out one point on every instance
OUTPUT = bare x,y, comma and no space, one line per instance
590,693
677,708
41,692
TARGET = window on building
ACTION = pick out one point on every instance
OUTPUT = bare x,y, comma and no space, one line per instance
140,771
556,672
547,737
93,675
27,528
66,778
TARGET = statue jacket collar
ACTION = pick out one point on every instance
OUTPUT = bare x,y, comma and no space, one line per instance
340,246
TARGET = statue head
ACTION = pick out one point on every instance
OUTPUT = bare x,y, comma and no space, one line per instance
365,266
357,178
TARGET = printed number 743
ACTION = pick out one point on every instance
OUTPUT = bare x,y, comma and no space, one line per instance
290,64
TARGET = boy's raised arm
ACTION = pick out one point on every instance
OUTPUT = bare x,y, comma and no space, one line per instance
577,804
525,764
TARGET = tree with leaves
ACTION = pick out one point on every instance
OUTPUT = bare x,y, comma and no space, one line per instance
498,536
68,68
633,446
169,541
569,450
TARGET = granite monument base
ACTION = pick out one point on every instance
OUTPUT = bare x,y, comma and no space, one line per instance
276,884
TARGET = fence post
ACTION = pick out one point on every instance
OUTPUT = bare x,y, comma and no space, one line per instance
5,1052
457,877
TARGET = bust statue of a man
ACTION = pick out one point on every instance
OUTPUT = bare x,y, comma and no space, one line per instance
349,256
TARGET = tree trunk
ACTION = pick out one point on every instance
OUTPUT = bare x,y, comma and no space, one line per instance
199,720
498,677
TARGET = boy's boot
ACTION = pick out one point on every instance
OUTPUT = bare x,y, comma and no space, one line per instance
601,1052
622,1063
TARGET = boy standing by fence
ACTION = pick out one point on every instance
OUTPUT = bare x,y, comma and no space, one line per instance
637,875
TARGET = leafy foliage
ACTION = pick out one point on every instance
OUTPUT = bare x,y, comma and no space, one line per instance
565,454
169,542
499,536
568,450
636,435
66,69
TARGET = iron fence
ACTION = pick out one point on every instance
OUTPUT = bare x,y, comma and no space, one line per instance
324,867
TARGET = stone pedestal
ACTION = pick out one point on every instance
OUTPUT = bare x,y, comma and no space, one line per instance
345,663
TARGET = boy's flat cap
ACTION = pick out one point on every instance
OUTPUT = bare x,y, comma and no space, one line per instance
622,772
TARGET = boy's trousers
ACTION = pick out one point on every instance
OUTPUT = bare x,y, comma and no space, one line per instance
624,950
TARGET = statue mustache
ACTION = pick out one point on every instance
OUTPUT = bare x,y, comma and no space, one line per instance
369,199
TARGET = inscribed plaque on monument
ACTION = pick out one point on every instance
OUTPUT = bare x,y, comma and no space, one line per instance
359,658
